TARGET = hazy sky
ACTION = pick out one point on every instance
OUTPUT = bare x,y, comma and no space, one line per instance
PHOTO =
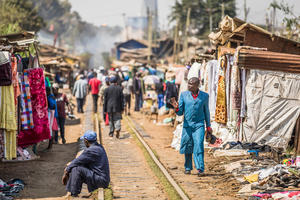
110,11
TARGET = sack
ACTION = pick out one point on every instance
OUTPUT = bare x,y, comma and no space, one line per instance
54,125
210,138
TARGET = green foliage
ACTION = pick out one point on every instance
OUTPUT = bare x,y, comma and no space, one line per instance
200,13
18,15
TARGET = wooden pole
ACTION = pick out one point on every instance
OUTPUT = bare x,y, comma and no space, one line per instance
175,41
149,36
187,25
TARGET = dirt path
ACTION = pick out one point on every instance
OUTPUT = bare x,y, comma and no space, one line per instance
215,185
43,176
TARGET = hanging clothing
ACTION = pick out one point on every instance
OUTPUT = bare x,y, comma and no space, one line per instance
15,81
10,141
26,104
5,69
212,70
7,109
221,111
41,129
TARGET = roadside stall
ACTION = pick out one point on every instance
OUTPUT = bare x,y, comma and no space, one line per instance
23,102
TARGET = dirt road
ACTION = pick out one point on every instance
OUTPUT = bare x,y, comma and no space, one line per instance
43,176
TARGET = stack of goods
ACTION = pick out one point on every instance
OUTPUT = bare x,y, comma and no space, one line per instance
23,104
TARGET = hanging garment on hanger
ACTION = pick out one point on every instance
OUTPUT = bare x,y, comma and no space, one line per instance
221,109
7,109
5,69
41,129
26,105
15,81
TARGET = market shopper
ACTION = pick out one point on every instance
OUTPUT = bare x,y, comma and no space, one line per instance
159,88
102,89
80,92
91,167
94,84
126,85
61,102
114,106
193,104
138,91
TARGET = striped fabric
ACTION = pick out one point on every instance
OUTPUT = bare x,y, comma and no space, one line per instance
26,108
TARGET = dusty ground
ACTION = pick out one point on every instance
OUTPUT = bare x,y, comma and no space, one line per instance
217,184
43,176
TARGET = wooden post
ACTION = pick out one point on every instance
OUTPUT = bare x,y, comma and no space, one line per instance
175,41
187,25
149,36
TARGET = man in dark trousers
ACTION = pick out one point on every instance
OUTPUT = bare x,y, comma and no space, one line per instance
137,89
95,86
114,106
91,167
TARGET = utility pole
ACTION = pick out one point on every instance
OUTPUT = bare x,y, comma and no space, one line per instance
246,11
149,36
175,41
125,26
187,26
209,10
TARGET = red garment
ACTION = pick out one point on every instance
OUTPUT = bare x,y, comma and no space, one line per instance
195,96
95,85
61,101
41,129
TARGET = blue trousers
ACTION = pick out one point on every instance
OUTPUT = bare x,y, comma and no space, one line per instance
198,160
160,100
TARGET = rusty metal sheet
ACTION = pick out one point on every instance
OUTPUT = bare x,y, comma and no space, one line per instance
267,60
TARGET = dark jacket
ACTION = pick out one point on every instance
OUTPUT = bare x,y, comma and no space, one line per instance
137,85
113,99
95,159
159,88
171,91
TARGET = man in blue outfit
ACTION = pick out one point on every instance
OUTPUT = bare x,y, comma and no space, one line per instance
91,167
194,105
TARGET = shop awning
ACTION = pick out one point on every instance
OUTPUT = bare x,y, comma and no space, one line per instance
267,60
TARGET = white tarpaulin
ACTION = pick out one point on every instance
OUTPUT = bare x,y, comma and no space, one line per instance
273,106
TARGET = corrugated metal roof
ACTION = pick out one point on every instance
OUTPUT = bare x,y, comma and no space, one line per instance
267,60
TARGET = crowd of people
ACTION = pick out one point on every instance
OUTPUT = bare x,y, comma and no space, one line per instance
115,91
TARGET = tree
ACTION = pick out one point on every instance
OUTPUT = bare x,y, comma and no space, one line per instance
291,20
200,13
18,15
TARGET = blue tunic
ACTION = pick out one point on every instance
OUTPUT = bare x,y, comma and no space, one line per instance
195,111
91,167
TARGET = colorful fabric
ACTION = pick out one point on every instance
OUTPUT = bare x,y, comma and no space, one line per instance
1,143
26,105
10,144
221,113
41,129
15,81
7,108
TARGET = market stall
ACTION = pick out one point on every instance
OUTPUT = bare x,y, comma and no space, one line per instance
23,102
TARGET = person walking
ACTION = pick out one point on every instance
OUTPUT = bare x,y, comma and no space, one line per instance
127,94
91,167
193,104
95,86
171,91
102,89
80,92
114,106
159,88
137,88
61,102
